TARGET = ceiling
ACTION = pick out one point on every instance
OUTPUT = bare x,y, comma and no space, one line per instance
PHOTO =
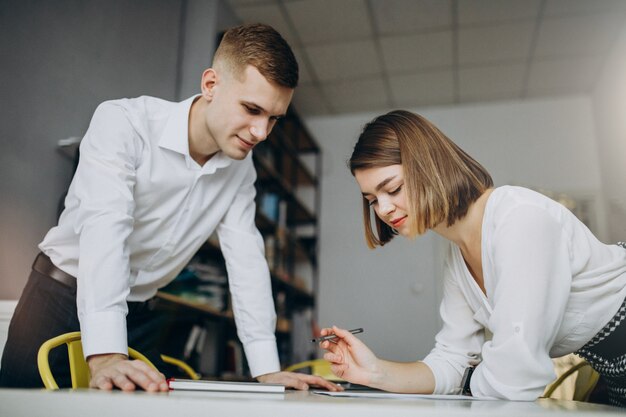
369,55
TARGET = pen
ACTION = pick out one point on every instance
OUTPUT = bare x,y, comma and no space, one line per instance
334,336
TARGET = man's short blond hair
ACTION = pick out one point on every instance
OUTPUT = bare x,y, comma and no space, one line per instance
262,47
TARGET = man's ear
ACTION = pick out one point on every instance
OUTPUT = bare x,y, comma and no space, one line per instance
209,80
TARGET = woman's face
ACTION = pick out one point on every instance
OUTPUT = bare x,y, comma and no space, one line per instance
383,188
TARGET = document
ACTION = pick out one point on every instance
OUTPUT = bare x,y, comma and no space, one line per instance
381,394
224,386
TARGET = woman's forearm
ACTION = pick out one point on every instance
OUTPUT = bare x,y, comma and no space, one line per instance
403,377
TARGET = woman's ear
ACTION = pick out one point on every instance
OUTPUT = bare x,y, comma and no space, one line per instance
208,82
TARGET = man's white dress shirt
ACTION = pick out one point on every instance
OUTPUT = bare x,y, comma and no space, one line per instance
550,287
139,207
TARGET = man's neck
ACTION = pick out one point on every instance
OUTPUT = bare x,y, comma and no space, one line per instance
200,148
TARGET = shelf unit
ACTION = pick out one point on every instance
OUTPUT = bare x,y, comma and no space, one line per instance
288,166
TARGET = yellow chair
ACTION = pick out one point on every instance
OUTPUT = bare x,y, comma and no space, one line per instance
580,377
79,371
319,367
191,373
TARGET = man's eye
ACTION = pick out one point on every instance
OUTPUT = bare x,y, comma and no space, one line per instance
251,110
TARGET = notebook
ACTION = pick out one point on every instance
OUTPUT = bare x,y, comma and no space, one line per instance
224,386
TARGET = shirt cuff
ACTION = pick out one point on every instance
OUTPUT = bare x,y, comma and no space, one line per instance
104,332
442,385
262,357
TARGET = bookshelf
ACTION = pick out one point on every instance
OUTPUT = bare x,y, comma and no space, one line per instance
200,327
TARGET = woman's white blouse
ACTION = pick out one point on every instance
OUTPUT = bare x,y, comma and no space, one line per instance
550,287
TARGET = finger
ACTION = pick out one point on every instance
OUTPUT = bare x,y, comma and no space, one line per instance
122,382
332,347
344,334
333,357
147,379
338,370
319,381
326,331
152,373
101,382
298,384
142,380
345,339
338,349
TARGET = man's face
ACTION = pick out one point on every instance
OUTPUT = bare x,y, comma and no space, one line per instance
243,110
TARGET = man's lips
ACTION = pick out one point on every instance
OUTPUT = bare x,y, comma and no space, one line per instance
398,222
245,143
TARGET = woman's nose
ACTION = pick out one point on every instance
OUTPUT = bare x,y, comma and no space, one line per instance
385,207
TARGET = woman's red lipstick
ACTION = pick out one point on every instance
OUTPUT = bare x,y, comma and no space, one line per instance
398,222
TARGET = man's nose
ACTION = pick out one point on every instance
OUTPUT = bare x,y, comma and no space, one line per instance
259,130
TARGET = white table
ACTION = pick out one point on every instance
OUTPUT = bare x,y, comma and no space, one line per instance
87,403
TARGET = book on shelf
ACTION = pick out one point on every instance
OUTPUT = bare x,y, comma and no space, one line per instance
223,386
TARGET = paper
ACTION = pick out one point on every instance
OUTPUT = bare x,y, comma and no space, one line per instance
379,394
203,385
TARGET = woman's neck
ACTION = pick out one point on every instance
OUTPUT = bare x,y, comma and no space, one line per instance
467,232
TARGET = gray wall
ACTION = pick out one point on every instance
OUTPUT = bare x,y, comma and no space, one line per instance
609,102
60,59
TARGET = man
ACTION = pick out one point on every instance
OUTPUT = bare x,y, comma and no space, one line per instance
155,179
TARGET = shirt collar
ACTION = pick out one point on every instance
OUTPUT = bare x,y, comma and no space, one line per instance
219,160
175,136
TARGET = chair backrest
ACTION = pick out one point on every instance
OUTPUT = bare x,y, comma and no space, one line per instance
188,370
6,312
79,370
576,379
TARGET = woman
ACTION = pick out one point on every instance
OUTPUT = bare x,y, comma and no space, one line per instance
519,265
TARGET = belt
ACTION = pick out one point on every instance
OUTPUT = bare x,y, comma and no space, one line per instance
44,266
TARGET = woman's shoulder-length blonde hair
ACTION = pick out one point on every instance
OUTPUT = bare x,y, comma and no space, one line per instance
441,181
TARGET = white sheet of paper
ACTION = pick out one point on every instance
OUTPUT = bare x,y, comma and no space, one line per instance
379,394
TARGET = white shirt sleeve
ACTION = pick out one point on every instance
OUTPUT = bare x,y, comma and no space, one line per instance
530,255
249,280
103,186
458,342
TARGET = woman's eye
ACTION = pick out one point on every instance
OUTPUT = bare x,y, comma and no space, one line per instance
396,191
371,202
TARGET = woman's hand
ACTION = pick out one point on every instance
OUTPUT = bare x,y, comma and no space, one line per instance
350,359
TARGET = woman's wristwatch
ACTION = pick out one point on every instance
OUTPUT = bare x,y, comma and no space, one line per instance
465,381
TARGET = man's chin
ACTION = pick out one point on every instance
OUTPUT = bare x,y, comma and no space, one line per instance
238,155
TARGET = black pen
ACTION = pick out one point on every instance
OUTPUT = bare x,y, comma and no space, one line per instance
334,336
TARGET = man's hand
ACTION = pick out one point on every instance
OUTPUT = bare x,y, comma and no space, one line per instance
298,381
116,370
